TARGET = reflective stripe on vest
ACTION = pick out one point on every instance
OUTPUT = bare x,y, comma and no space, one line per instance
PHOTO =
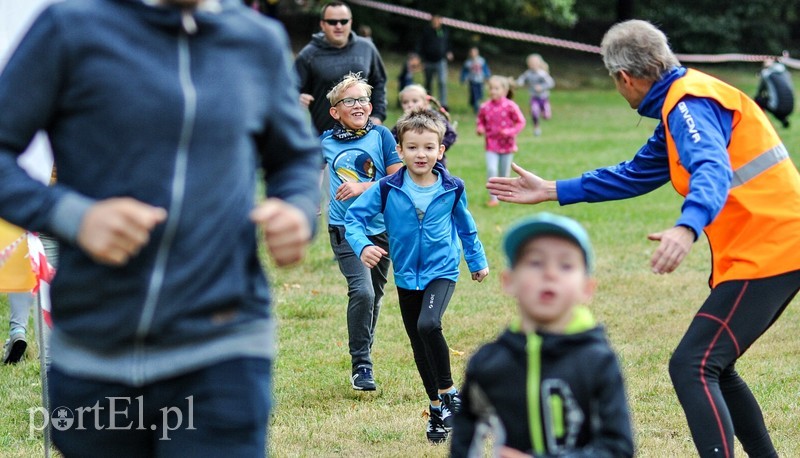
758,165
756,234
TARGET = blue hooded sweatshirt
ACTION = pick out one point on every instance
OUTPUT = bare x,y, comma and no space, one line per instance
177,109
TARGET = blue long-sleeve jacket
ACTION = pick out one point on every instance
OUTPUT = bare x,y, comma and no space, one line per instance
137,104
425,250
706,160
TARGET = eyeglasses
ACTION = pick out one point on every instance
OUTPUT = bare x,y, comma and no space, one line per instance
336,21
351,102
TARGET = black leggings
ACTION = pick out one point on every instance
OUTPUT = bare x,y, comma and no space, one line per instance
717,402
422,317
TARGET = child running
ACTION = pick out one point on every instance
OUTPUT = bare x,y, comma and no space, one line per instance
414,97
500,120
550,385
358,153
539,82
475,71
426,255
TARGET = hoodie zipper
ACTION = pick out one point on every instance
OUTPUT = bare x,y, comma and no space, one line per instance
177,192
534,380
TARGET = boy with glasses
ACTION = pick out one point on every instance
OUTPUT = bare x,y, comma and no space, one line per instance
358,153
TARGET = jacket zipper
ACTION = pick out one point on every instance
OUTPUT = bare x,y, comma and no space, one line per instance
419,231
177,192
419,243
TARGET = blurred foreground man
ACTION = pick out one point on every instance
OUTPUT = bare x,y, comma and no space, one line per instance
160,114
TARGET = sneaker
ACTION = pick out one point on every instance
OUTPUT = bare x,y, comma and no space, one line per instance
362,379
14,348
436,431
537,131
451,405
493,203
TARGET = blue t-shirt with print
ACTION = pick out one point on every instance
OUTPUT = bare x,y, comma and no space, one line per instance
357,161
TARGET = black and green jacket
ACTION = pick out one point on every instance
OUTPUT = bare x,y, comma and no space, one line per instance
546,394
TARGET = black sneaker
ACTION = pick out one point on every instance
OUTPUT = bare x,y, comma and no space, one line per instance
14,348
436,431
362,379
451,405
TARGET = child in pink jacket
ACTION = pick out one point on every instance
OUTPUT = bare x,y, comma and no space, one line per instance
500,120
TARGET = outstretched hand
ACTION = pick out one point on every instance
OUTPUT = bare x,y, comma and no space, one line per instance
525,189
674,245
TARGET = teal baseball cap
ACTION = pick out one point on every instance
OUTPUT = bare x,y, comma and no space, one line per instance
545,223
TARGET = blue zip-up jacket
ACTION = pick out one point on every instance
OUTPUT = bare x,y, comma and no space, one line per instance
177,111
421,251
706,160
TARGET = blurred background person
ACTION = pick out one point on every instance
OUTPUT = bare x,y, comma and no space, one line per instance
775,93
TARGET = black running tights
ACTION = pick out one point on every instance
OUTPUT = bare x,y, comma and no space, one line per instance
717,402
422,317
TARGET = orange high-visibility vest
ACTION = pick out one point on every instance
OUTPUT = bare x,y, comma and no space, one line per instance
757,232
16,273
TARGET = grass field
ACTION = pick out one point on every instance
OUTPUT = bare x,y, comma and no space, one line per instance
317,414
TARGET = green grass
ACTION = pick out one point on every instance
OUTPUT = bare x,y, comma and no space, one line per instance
318,414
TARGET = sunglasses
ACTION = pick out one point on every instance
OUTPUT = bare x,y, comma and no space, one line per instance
351,102
336,21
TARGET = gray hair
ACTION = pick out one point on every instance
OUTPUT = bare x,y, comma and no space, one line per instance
638,48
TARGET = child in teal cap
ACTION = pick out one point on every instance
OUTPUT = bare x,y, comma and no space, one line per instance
550,384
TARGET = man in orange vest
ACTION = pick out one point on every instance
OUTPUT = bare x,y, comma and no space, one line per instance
722,154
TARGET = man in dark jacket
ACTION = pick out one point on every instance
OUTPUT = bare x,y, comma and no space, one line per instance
329,56
158,113
434,48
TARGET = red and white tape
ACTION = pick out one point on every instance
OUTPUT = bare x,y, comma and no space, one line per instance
6,252
567,44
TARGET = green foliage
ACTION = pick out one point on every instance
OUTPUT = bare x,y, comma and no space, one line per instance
693,26
705,26
401,33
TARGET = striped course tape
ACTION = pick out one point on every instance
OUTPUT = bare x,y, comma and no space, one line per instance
566,44
6,252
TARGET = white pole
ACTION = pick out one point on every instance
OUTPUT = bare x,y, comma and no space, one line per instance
43,370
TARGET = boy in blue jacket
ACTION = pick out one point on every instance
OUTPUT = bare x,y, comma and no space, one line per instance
550,385
426,255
